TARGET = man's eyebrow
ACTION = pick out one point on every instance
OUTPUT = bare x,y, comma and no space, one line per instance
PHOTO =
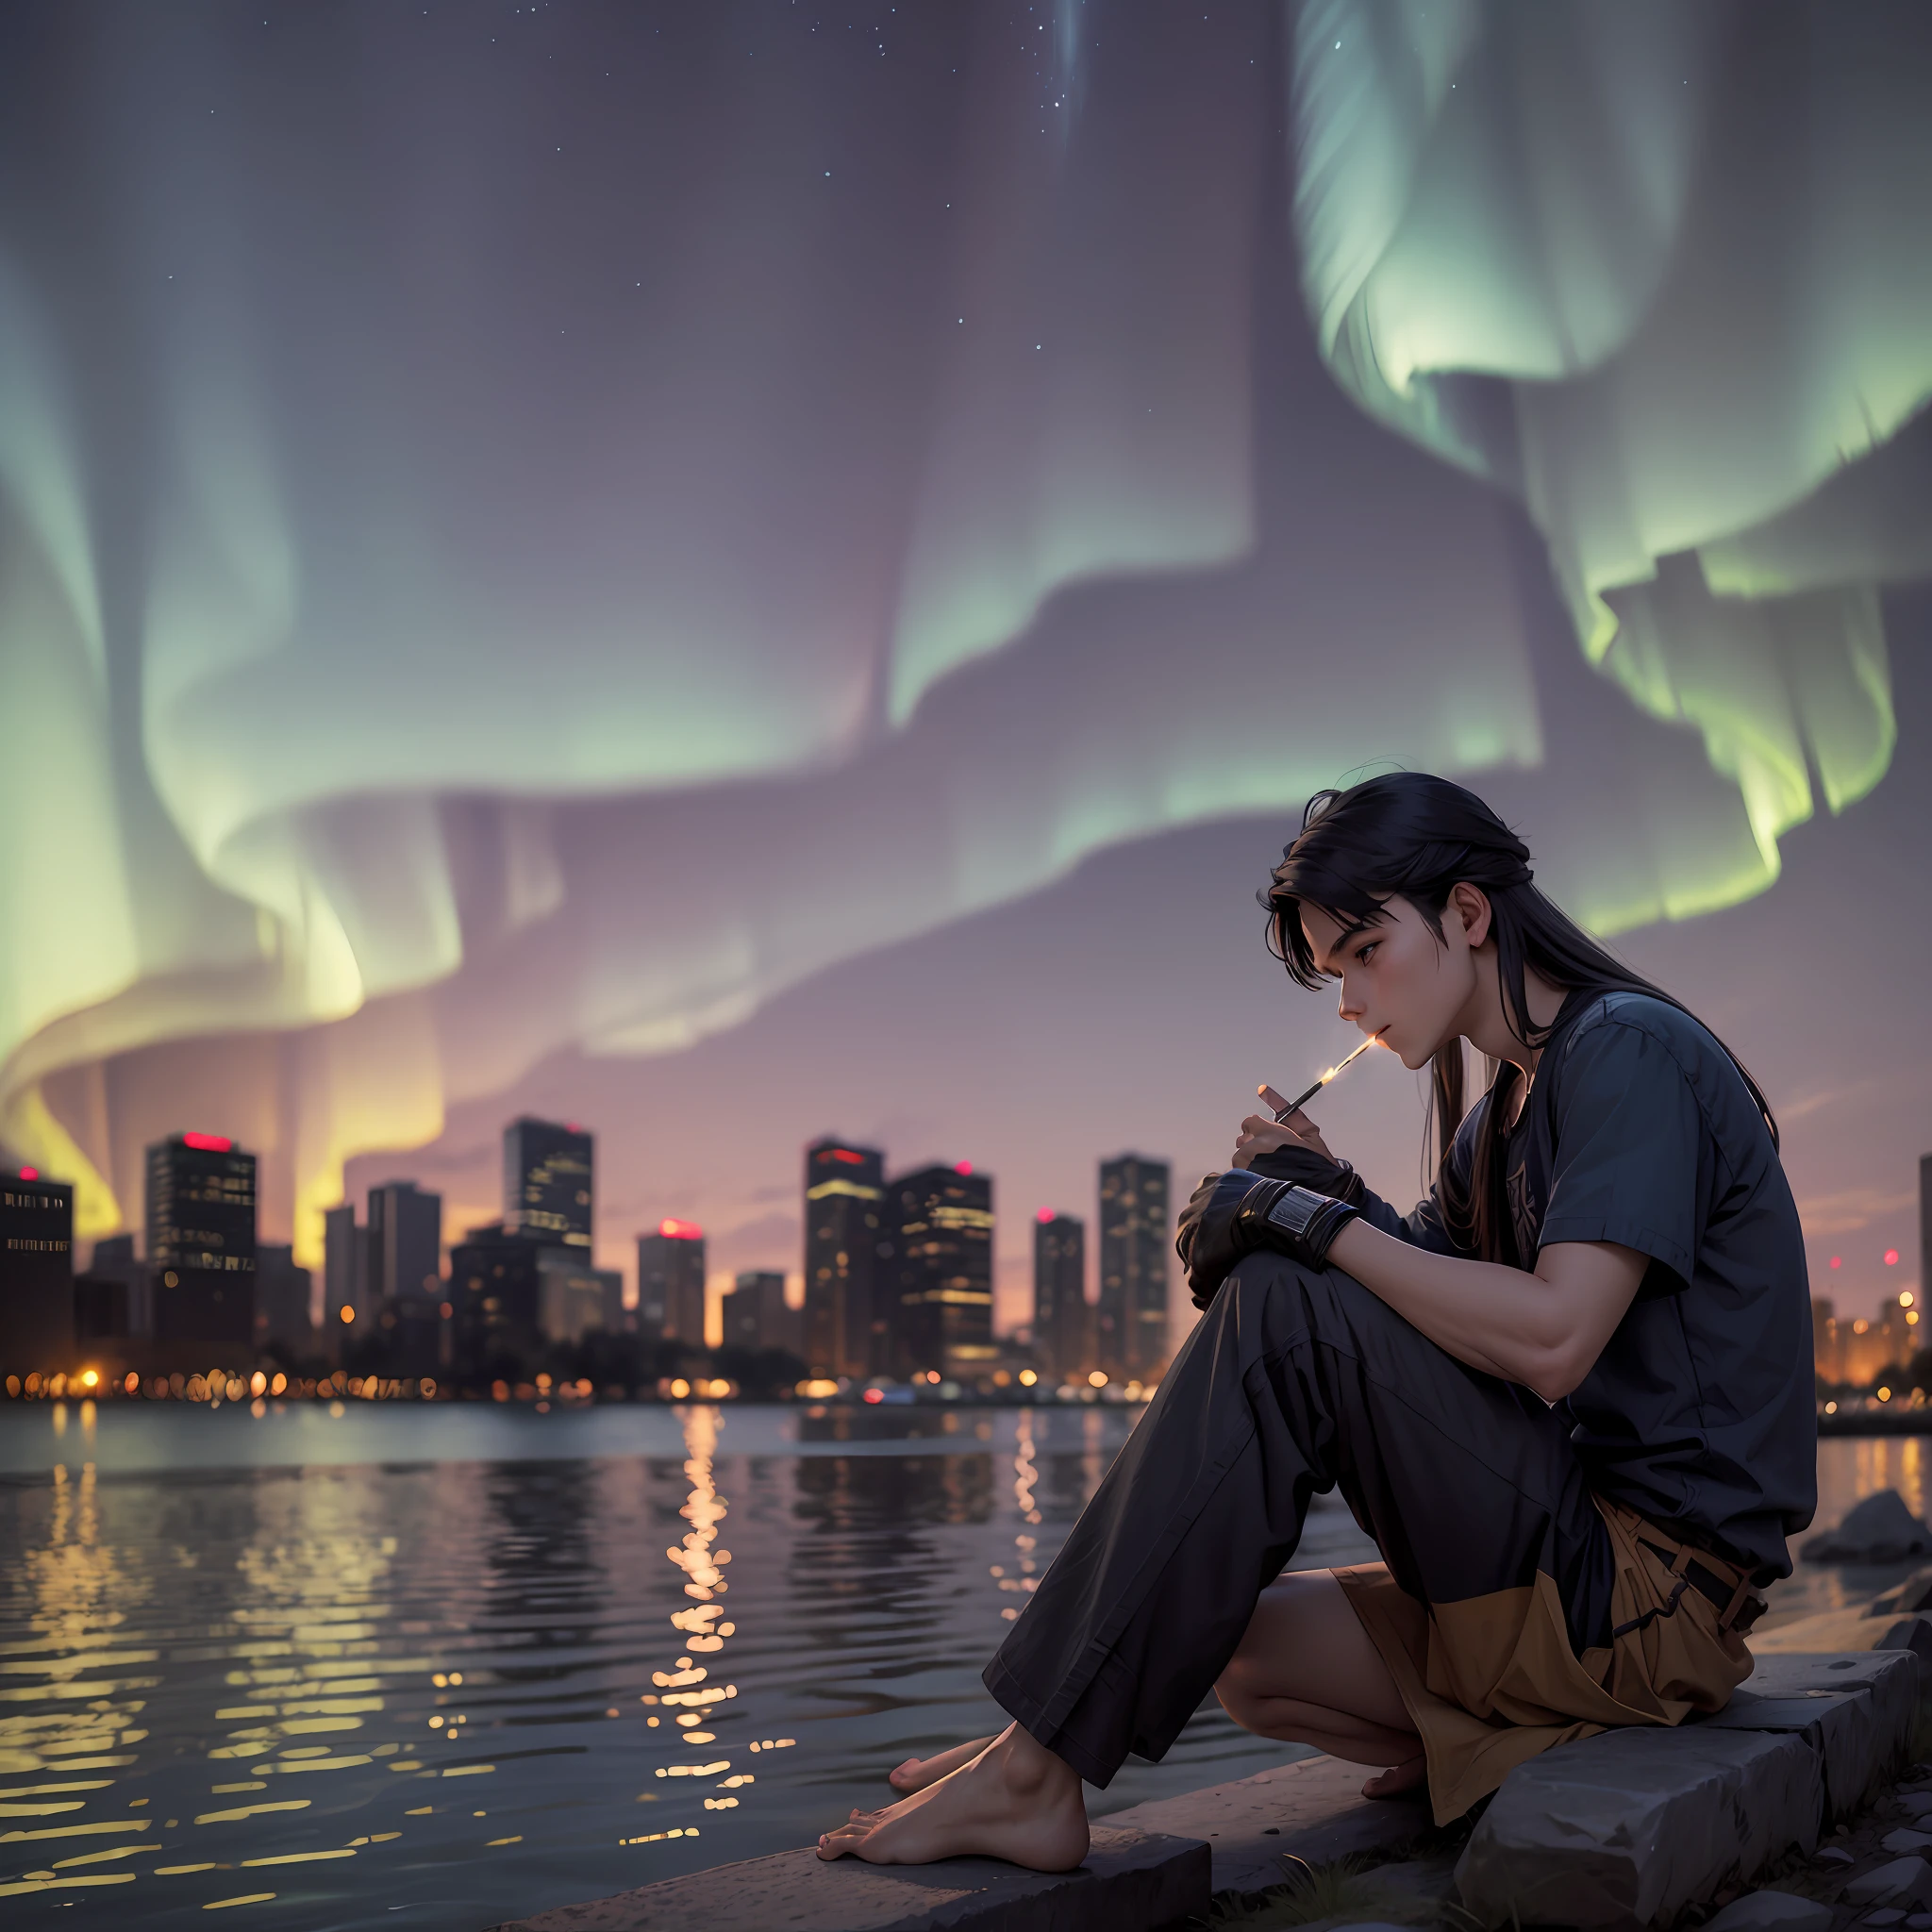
1342,939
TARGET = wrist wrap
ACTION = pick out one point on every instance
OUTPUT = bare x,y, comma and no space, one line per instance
1293,1220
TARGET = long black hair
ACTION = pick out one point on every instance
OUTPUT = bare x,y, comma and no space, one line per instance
1409,834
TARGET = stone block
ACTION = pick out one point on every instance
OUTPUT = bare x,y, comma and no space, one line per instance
1858,1710
1902,1842
1628,1829
1312,1807
1770,1911
1132,1881
1905,1882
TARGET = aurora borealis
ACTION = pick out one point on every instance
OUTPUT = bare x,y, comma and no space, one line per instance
529,534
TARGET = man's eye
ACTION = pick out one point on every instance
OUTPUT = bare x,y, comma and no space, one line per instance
1362,953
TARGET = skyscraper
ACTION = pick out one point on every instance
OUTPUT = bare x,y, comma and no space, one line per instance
1062,1319
282,1296
671,1283
574,1298
405,1242
114,1259
547,1182
846,1318
495,1290
1134,1247
36,1275
201,1240
942,1233
756,1314
346,1270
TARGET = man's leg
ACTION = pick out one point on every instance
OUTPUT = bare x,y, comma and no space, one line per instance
1293,1381
1307,1673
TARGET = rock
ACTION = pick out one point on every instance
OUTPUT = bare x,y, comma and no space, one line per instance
1915,1803
1131,1882
1887,1917
1904,1882
1918,1921
1878,1530
1903,1841
1834,1855
1770,1911
1630,1827
1914,1593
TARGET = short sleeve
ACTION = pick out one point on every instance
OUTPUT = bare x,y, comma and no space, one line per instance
1627,1150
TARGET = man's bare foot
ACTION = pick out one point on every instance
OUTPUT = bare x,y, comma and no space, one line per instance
1013,1800
917,1773
1397,1778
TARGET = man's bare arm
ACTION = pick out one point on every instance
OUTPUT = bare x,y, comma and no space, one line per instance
1545,1330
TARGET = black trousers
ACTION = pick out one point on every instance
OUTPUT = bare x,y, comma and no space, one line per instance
1293,1381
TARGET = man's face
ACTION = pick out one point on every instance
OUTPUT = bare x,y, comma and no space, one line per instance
1398,979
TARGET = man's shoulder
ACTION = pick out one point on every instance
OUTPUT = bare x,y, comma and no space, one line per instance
1623,1022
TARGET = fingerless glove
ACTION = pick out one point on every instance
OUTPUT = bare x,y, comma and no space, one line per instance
1290,1220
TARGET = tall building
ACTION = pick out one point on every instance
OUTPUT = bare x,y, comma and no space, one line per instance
346,1270
201,1240
1827,1342
405,1242
941,1231
36,1275
846,1318
671,1283
547,1182
1926,1227
574,1298
114,1259
1135,1243
282,1292
495,1291
1062,1319
756,1315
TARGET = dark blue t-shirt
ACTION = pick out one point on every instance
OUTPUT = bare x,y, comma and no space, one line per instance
1700,1413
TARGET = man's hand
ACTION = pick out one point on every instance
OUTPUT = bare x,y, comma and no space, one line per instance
1261,1133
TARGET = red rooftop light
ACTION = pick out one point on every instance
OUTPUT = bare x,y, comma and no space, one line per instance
1837,1261
844,1154
209,1144
1892,1257
964,1167
29,1173
1045,1214
680,1230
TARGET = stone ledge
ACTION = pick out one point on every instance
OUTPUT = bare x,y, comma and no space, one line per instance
1132,1881
1630,1827
1312,1807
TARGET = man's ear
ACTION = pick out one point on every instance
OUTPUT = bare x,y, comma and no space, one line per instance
1472,906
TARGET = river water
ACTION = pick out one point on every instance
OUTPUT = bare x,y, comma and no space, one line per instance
332,1666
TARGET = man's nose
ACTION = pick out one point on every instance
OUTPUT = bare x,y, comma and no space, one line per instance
1350,1006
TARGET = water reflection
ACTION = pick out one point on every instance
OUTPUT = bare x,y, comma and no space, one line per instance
431,1684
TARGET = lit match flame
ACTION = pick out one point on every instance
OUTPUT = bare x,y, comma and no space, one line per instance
1303,1099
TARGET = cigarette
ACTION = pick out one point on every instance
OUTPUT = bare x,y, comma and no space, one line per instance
1301,1100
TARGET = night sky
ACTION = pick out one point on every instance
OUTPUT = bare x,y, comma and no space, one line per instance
731,570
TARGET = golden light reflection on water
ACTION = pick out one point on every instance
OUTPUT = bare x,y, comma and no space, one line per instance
1022,1581
686,1690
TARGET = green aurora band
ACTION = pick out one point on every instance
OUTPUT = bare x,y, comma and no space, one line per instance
407,670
